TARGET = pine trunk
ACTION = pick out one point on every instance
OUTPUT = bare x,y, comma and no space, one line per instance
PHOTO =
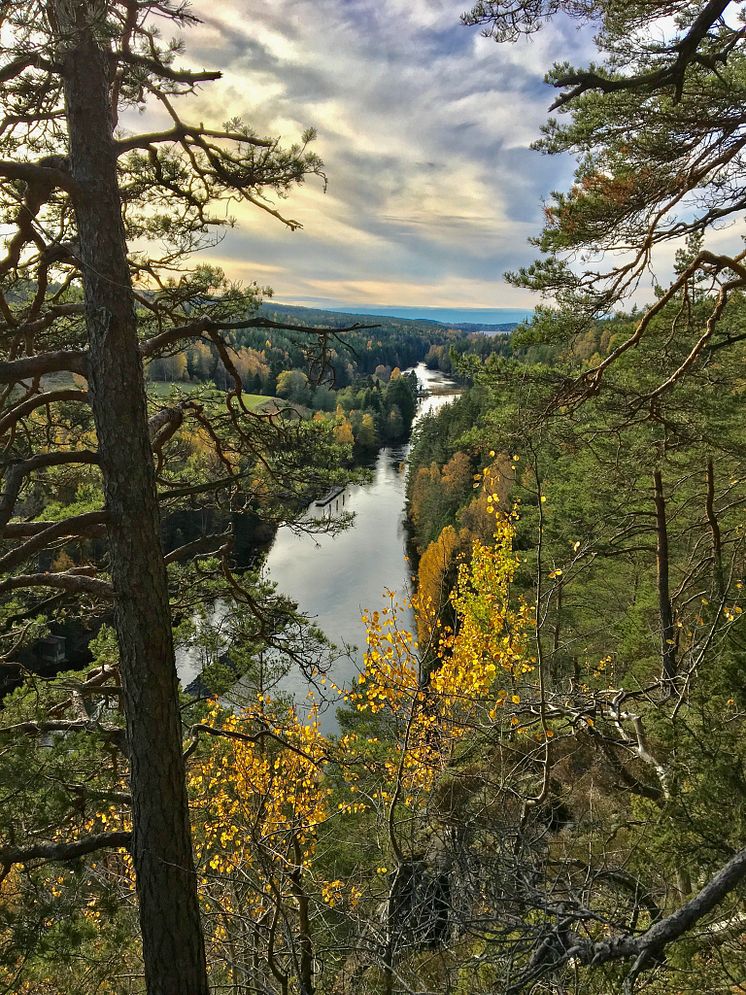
667,627
173,946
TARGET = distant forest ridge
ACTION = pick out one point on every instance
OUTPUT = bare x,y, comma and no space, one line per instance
465,319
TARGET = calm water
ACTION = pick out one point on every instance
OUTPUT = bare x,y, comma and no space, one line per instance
334,578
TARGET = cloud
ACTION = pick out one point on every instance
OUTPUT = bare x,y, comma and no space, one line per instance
424,127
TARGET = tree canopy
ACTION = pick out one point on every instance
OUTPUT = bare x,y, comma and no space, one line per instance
532,783
657,129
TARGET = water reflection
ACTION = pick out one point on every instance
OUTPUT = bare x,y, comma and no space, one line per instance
334,578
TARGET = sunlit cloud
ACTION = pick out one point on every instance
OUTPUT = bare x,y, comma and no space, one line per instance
425,129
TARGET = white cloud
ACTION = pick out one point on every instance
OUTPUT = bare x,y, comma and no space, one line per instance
424,128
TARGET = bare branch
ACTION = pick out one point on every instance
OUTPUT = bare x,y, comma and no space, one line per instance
650,944
93,523
42,728
257,737
46,176
207,544
667,75
64,361
29,60
16,473
205,325
40,400
181,131
72,583
63,851
166,72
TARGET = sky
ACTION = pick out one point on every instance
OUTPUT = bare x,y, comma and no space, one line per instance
424,127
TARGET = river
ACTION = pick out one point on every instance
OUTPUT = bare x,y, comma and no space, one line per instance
333,578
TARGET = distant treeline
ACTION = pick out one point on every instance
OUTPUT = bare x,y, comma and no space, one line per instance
261,357
359,384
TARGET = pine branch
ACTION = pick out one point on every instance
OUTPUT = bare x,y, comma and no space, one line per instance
63,851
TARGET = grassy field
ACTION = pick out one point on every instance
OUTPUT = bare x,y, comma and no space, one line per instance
162,390
157,389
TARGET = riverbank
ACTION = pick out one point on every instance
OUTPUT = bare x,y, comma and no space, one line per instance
334,578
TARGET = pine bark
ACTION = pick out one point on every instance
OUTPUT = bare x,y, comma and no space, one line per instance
173,946
717,546
668,629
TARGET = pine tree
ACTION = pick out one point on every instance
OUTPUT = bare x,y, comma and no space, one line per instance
81,314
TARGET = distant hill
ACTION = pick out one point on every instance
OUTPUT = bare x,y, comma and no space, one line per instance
468,326
297,315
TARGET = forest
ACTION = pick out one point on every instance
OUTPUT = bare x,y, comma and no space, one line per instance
538,781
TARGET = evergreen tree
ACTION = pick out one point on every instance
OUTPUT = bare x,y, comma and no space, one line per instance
75,303
657,128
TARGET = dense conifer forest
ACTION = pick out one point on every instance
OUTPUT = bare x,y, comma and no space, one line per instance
537,782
